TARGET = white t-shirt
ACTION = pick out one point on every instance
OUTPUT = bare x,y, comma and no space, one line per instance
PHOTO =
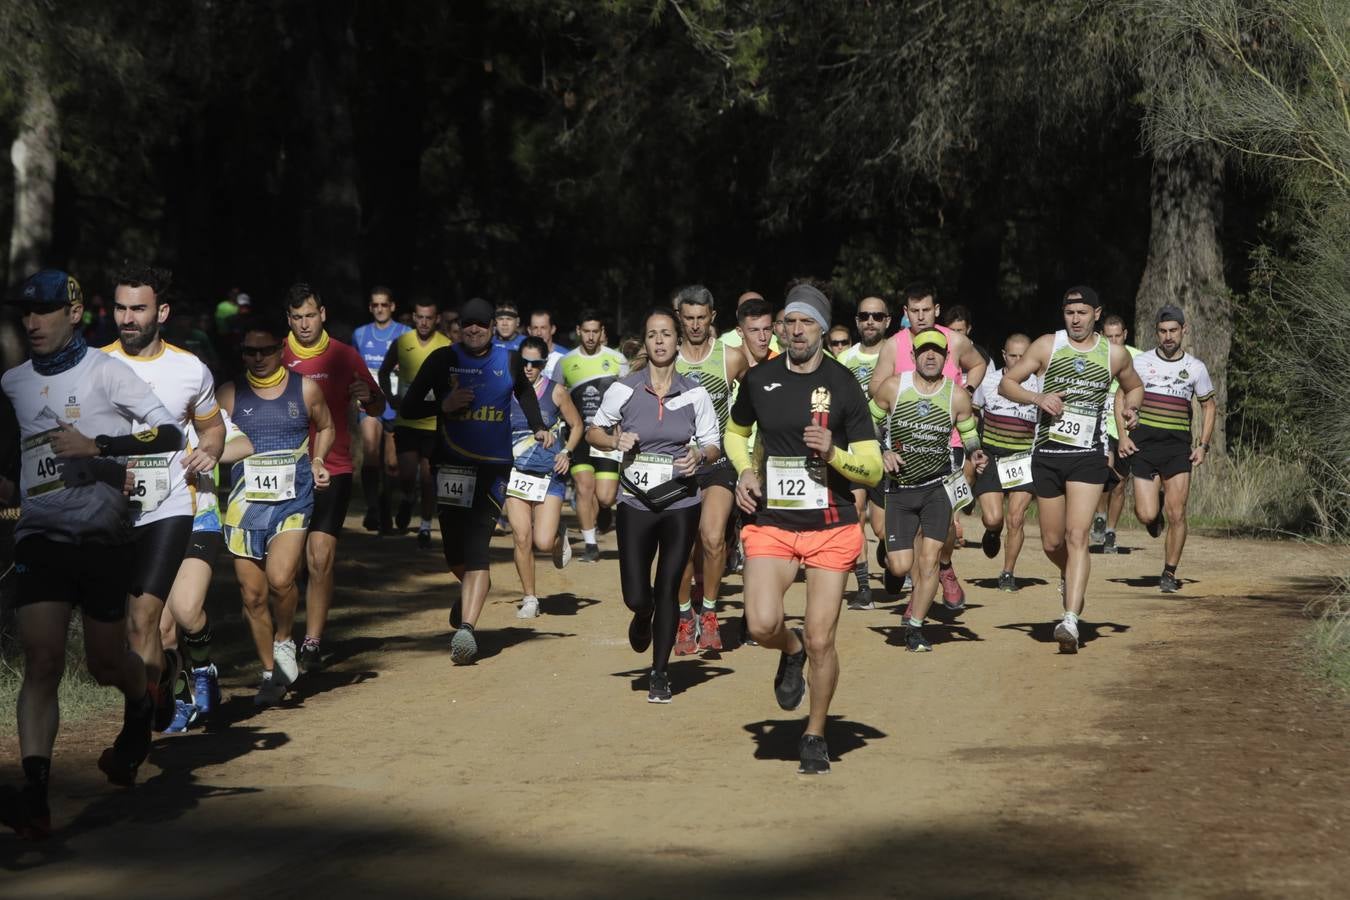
75,500
1169,387
185,387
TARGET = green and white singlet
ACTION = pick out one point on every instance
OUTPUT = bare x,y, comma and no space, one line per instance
919,428
860,363
1084,379
711,375
587,376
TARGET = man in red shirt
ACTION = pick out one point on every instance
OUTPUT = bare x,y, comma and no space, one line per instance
342,375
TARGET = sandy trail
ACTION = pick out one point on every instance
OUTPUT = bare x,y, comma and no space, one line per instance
1180,753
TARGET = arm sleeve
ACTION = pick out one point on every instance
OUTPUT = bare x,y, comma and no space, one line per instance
610,411
736,443
860,461
431,379
525,396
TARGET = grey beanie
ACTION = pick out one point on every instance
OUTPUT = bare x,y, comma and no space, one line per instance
809,301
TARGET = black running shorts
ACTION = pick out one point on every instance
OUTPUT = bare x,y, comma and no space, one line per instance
330,505
205,545
421,441
909,510
94,577
1050,472
466,532
720,474
987,482
1165,458
159,549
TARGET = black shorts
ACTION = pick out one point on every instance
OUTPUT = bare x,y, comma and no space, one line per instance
987,482
94,577
158,552
720,474
330,506
1114,473
909,510
205,545
876,494
603,468
422,441
466,532
1050,472
1165,458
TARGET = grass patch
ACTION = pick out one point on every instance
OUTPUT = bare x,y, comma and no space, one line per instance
1243,494
79,695
1329,638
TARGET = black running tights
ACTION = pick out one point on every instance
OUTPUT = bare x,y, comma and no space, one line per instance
667,537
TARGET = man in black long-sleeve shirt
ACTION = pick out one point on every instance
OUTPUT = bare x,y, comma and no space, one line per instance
468,386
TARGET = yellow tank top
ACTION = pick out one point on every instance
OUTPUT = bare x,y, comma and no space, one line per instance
411,355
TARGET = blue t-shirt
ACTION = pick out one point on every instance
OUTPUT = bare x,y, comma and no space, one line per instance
513,344
373,344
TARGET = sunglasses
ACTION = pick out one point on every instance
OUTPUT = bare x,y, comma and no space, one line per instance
873,316
534,363
260,351
843,343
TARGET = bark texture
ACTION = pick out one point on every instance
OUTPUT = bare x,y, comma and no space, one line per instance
1185,263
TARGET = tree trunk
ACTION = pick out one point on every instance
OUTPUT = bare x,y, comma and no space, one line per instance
329,199
1185,263
33,155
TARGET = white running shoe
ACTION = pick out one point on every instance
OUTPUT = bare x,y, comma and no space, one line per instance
562,548
1066,633
284,654
529,608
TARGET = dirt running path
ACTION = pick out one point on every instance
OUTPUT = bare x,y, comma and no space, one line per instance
1181,753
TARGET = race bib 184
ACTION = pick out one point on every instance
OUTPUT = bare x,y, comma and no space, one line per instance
1014,471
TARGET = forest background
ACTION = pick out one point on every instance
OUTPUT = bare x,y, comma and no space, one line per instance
597,153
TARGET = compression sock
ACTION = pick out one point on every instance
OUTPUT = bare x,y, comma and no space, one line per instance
38,771
370,486
588,535
861,573
197,647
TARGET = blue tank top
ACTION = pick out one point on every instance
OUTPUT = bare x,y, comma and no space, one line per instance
481,433
272,425
531,456
373,344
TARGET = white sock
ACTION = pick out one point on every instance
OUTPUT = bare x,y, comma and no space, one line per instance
588,535
426,525
1071,617
528,597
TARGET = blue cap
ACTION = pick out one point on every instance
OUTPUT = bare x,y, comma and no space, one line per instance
49,287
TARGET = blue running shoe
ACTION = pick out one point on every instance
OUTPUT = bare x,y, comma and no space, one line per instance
205,689
184,714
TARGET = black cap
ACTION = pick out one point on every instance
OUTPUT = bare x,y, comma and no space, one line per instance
49,287
1170,313
477,310
1088,295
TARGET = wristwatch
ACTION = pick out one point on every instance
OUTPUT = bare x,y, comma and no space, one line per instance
103,443
565,452
1204,445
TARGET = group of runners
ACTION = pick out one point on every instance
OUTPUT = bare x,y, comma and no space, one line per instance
770,447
